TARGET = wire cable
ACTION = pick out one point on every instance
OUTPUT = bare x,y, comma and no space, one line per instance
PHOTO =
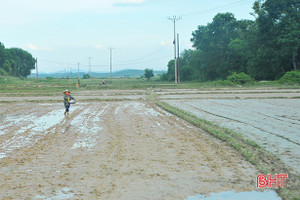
235,4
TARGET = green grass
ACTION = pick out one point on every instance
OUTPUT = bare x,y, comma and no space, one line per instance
264,161
46,85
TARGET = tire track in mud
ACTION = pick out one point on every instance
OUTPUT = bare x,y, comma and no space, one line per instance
159,165
138,151
212,146
258,120
245,123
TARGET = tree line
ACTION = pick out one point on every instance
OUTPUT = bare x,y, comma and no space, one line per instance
265,48
15,62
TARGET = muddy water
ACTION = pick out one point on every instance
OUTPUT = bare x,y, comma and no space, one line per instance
272,123
112,150
80,95
232,195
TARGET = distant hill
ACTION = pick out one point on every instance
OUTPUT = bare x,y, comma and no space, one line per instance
122,73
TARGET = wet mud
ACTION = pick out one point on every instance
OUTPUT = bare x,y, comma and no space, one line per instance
272,123
112,150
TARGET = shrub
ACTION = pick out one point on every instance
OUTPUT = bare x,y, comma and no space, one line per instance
291,77
3,72
49,78
148,73
224,83
240,78
164,77
86,76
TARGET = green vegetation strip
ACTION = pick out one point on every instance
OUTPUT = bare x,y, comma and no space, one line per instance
265,162
52,85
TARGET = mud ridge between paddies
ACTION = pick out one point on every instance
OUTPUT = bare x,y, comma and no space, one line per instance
161,94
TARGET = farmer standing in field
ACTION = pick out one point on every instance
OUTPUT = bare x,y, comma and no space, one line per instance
67,99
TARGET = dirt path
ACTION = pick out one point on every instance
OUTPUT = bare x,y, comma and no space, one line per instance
162,94
80,95
111,150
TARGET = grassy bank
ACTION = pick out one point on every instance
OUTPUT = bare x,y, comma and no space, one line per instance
45,85
265,162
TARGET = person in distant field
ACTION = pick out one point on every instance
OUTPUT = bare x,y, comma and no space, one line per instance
67,99
103,82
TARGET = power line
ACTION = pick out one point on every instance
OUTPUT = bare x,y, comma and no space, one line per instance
235,4
161,27
74,64
144,61
142,57
56,62
123,62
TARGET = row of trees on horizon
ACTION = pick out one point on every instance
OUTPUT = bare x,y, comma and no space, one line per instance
265,48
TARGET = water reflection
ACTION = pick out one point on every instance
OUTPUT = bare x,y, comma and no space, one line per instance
253,195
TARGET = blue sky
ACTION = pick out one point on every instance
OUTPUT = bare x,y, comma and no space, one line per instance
61,33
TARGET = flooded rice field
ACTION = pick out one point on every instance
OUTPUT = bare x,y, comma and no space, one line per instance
253,195
183,94
117,150
272,123
80,95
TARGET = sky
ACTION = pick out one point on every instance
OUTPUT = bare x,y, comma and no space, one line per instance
63,33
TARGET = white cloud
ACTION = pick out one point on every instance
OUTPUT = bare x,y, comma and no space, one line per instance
121,3
168,43
62,6
32,47
132,1
40,48
16,12
99,46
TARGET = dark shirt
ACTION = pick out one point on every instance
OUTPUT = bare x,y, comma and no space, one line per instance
67,99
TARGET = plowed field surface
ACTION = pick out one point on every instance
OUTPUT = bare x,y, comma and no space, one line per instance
111,150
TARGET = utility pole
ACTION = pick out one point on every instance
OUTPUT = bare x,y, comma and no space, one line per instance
37,73
178,58
174,19
110,63
90,69
78,76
